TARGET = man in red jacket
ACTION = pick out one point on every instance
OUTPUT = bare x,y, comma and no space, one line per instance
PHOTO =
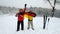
20,16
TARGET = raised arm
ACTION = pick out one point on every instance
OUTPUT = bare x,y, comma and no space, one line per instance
24,8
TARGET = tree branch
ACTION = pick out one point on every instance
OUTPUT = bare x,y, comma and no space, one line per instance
50,3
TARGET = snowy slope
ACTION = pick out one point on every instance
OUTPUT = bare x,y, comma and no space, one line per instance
8,24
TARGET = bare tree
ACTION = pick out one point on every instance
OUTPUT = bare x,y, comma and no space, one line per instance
53,7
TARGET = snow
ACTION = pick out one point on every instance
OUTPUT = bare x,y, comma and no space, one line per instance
8,24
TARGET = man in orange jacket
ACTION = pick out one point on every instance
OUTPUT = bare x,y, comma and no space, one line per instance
30,19
20,16
30,16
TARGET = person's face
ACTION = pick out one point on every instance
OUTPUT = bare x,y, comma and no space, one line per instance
20,10
30,10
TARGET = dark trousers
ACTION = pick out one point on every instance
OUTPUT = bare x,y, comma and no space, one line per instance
18,25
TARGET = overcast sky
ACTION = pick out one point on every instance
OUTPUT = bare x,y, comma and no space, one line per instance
20,3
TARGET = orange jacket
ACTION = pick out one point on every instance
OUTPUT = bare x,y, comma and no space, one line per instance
30,15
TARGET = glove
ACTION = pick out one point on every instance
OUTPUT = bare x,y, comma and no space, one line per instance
25,5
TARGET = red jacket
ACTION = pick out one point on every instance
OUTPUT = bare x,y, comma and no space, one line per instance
21,17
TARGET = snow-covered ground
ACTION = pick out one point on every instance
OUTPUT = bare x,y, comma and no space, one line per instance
8,24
